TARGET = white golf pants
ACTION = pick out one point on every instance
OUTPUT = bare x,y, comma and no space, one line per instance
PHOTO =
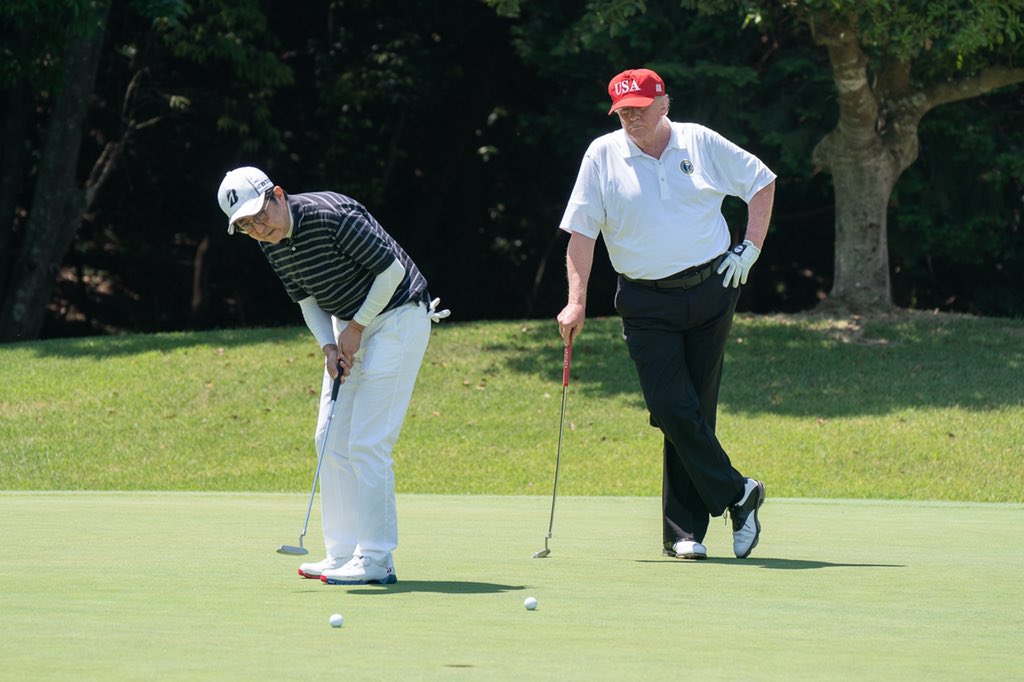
357,482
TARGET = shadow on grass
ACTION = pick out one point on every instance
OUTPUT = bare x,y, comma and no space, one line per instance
811,366
798,564
808,366
135,344
437,586
778,564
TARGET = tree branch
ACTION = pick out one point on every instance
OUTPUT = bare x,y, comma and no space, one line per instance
966,88
858,107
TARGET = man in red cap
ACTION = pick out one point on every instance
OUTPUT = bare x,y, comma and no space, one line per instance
654,190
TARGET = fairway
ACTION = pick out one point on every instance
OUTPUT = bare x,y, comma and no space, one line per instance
119,586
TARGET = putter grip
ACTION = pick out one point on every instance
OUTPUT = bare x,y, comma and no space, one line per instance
337,385
565,364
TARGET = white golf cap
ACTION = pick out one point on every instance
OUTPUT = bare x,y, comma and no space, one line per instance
241,193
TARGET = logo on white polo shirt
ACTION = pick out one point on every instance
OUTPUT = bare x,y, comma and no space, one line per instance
686,167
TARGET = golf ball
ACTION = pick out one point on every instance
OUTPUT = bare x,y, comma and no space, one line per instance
530,603
336,620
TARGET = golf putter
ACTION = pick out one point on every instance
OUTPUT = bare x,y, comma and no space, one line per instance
300,550
567,358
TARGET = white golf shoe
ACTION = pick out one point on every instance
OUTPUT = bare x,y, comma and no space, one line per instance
360,571
316,569
687,549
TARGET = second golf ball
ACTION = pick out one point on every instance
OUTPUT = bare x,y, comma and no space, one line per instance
530,603
336,620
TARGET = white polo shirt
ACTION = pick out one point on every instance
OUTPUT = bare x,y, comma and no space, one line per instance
660,216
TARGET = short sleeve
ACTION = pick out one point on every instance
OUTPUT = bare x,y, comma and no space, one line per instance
585,212
737,171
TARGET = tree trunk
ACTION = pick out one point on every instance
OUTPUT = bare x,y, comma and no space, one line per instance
863,180
864,172
57,202
200,285
12,172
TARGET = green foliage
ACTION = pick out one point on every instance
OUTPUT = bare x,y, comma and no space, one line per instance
943,38
171,11
770,91
33,34
956,226
233,41
955,223
462,129
940,37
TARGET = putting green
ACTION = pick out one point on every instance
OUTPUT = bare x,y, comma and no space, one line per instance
112,586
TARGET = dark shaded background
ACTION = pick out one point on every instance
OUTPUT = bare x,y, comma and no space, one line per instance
462,132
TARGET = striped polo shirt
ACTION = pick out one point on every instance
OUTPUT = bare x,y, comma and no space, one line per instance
335,251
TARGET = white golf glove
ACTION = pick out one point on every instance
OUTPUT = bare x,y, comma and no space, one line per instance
738,262
436,315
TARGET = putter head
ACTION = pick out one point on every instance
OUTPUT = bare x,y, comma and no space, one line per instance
542,553
292,549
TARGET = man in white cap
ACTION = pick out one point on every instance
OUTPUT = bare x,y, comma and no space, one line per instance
366,304
654,190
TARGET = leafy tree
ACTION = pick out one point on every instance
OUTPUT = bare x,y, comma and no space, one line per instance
891,62
956,218
86,131
410,108
765,92
56,202
462,129
30,34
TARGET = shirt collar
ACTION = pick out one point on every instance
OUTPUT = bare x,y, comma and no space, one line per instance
291,220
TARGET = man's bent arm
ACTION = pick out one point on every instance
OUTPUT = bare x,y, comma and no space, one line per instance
759,214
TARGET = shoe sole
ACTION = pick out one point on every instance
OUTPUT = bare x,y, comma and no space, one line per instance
685,557
389,580
311,576
757,522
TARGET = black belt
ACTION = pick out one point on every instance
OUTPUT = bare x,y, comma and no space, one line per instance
687,279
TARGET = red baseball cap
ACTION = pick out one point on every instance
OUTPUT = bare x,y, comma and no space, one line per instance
635,88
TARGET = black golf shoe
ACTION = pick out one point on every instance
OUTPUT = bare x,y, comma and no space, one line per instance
746,528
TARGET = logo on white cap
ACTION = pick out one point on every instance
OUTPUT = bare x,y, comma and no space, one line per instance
241,193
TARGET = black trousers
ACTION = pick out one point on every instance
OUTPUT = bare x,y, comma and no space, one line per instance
676,338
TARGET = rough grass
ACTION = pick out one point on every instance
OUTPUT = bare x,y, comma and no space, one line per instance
909,406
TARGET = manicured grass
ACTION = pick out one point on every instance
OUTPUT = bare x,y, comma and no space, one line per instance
186,586
914,406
